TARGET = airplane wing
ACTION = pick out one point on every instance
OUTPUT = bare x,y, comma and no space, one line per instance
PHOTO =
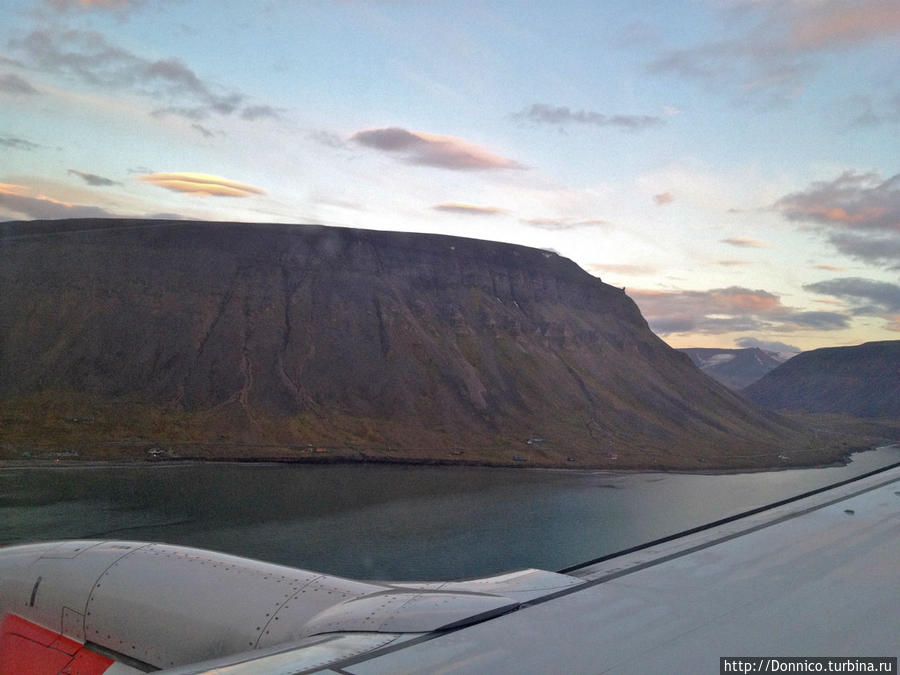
816,575
151,606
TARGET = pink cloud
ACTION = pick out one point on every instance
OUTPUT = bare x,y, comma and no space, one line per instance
565,223
444,152
860,212
664,198
623,269
772,60
846,24
728,310
469,209
93,4
745,242
19,199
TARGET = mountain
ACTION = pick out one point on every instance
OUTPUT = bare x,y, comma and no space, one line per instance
863,381
735,368
121,337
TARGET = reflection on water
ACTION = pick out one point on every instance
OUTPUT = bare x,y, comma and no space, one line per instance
388,522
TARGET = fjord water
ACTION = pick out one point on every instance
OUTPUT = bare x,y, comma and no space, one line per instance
388,522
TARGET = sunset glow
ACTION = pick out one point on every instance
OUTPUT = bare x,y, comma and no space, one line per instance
733,164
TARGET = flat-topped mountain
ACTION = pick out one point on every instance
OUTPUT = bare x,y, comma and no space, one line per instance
198,338
863,381
735,368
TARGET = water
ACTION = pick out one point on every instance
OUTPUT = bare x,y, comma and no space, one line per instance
388,522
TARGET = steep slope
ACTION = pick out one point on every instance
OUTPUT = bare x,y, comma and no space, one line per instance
735,368
217,338
863,381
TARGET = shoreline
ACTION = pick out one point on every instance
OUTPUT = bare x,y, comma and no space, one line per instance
169,462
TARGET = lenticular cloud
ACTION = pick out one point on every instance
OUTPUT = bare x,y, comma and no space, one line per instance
444,152
201,184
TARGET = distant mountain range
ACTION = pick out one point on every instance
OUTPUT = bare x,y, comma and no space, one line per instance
128,337
863,381
735,368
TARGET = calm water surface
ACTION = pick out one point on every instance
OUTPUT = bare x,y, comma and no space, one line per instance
388,522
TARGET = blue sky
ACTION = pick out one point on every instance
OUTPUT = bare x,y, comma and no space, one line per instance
732,163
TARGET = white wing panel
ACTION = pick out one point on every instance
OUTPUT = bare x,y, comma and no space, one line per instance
305,656
408,612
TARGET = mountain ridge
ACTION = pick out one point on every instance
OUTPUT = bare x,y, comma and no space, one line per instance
210,336
862,381
735,368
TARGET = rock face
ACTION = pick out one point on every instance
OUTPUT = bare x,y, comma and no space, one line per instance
863,381
280,336
735,368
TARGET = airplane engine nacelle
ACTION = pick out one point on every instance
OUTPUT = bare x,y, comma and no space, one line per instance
171,605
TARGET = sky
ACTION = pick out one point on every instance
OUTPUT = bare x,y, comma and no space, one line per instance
733,164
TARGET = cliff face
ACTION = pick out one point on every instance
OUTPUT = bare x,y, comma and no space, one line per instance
863,381
291,335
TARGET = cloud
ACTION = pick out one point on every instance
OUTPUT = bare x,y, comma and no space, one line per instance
745,242
860,212
16,198
258,112
327,139
542,113
625,270
818,320
13,84
769,51
744,68
769,346
733,263
728,310
830,25
852,200
664,198
67,5
565,223
18,143
90,57
469,209
329,200
866,113
201,184
93,179
444,152
176,75
830,268
5,61
165,216
865,296
188,112
862,112
870,247
202,130
121,9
